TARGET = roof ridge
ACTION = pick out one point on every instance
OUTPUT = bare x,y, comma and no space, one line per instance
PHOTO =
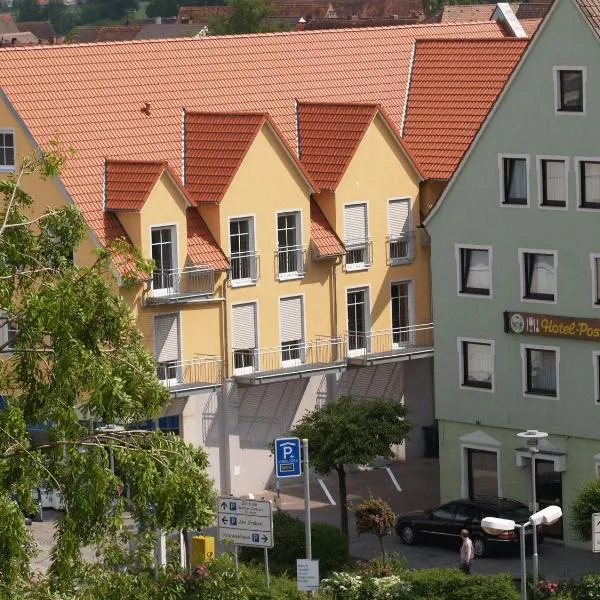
372,105
234,113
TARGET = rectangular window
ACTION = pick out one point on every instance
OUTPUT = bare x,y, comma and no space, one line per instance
289,246
541,375
553,175
356,237
475,271
7,149
357,307
291,326
164,278
400,240
539,276
596,357
477,364
167,348
595,262
570,90
243,255
400,300
514,179
589,184
8,333
244,337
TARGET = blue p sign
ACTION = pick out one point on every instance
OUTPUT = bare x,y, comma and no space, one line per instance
288,458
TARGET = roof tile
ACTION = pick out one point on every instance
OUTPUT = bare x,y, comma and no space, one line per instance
322,234
591,10
129,183
202,247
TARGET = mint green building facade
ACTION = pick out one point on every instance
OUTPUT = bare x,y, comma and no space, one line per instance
515,246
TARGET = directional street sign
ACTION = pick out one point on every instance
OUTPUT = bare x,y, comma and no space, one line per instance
596,532
245,522
288,457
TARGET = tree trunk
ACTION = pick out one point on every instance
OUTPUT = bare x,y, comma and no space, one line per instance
382,550
343,501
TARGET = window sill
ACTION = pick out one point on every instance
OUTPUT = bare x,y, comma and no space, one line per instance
554,206
8,169
520,204
357,267
475,293
476,388
290,276
237,283
539,300
540,395
243,371
591,206
394,262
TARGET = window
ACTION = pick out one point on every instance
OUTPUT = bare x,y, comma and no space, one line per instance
8,332
7,149
541,375
401,299
475,271
289,248
589,184
164,278
477,364
553,182
291,326
539,276
357,307
244,338
570,90
596,364
400,240
357,239
595,264
514,181
243,256
167,348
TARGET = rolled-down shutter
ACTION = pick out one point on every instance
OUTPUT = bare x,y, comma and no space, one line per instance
398,217
244,326
290,316
166,338
355,222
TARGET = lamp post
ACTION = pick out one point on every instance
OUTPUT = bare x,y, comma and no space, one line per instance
496,526
533,437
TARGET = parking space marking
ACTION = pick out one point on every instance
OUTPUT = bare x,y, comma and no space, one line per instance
393,478
326,491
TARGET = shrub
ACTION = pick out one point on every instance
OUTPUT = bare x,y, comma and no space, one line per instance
585,504
342,586
328,545
588,588
498,587
394,565
375,516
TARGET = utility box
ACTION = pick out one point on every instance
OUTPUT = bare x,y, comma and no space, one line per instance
203,549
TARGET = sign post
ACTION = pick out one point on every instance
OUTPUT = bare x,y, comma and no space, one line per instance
307,501
596,532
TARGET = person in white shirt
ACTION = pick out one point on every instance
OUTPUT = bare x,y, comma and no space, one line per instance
466,552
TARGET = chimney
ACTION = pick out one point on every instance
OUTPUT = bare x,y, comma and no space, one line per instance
158,20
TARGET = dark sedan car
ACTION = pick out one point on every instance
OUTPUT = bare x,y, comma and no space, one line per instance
443,525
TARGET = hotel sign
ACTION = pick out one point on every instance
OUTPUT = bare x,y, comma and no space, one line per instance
552,326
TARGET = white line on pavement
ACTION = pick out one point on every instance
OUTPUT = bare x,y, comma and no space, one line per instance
324,488
393,478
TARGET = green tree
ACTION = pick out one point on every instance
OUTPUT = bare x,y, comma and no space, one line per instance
585,504
28,10
74,357
62,18
349,432
246,16
95,11
375,516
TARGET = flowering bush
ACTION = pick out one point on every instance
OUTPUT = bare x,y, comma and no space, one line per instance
342,586
375,516
376,567
546,589
391,588
589,588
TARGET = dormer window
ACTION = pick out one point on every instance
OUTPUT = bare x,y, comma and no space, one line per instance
570,89
7,150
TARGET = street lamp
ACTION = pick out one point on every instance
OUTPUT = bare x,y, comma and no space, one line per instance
496,526
533,437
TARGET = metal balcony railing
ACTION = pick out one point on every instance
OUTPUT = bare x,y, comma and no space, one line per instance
171,284
400,343
358,254
243,268
401,248
291,359
203,371
289,262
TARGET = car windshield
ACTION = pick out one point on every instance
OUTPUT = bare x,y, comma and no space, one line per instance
518,514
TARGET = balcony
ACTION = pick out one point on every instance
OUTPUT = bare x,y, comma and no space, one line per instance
289,262
200,373
244,269
401,249
289,361
358,254
170,286
403,343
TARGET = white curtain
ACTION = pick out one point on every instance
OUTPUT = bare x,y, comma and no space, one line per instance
479,269
479,357
518,178
592,182
543,369
555,180
543,276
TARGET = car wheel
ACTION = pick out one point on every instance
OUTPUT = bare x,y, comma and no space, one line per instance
479,547
407,535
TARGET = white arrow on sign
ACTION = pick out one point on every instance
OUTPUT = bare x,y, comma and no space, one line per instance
245,538
244,522
235,506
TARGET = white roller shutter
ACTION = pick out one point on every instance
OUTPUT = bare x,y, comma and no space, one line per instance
355,222
290,318
166,338
244,326
398,217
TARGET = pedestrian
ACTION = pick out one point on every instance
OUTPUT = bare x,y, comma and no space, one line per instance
466,552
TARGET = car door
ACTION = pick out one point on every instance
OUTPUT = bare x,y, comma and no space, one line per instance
466,517
441,524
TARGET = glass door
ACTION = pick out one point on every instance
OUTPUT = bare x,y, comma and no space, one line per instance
548,485
357,322
482,473
400,296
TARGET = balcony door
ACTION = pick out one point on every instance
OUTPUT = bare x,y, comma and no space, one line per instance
164,277
291,324
289,253
167,348
357,302
241,242
244,338
399,228
401,303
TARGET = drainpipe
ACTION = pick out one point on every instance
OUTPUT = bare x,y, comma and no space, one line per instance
223,403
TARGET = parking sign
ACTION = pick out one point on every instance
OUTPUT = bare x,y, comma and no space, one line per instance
288,457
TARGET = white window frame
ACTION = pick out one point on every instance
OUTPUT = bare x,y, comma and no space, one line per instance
555,70
457,255
166,291
367,289
501,158
577,164
522,252
4,330
478,441
411,310
253,368
296,361
596,371
365,265
524,348
246,281
540,183
9,168
412,247
461,358
299,274
595,299
170,382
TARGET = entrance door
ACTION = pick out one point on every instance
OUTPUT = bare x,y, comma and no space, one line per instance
482,473
357,304
548,484
400,295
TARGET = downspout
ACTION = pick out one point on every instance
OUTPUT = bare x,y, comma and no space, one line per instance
223,397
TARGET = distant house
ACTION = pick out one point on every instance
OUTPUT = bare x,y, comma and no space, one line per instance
42,30
7,23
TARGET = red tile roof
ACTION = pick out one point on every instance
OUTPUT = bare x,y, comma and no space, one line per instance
202,247
454,85
591,10
463,13
345,9
326,242
93,97
530,25
129,183
7,23
201,14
